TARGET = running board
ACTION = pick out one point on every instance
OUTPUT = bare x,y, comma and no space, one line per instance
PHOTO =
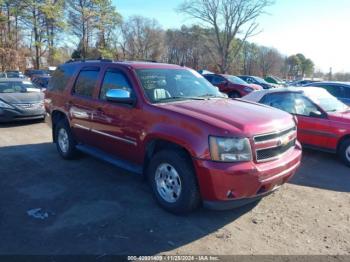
110,159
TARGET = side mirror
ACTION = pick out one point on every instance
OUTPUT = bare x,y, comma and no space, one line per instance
317,114
120,96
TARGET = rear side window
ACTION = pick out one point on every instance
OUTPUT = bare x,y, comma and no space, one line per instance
217,80
114,80
209,78
86,82
60,78
337,91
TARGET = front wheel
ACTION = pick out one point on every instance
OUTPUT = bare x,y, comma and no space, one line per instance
173,181
344,152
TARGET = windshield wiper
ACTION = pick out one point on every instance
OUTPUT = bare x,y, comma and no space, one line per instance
208,96
180,98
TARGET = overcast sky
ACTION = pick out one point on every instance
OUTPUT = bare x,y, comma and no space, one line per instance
320,29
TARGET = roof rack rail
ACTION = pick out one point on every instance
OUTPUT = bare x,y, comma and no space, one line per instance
147,60
86,60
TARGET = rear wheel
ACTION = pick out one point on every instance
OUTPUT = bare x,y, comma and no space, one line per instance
65,142
344,151
234,94
172,178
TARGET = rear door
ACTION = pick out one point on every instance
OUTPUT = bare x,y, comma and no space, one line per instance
81,104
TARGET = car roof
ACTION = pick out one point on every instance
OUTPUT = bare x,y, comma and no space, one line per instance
331,83
130,64
259,94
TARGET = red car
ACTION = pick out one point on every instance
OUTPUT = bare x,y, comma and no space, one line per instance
323,120
167,122
233,86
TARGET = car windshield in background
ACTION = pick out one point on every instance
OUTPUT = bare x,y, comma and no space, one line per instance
327,102
260,80
236,80
165,85
15,87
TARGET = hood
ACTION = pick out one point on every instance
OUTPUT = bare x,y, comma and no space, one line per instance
340,116
16,98
234,115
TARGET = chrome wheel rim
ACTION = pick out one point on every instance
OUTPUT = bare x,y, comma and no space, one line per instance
347,153
63,140
168,182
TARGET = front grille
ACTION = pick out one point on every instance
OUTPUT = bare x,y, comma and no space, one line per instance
263,138
271,146
29,105
271,153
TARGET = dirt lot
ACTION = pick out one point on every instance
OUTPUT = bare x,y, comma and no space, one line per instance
95,208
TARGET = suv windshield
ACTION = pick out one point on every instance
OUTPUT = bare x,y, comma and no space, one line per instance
15,87
327,102
166,85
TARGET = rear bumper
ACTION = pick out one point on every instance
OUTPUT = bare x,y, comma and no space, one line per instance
225,185
9,115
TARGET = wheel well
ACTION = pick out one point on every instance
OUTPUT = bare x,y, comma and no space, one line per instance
157,145
342,140
56,117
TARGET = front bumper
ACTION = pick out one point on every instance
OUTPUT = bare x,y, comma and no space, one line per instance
227,185
9,115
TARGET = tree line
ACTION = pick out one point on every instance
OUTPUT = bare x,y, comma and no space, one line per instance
44,30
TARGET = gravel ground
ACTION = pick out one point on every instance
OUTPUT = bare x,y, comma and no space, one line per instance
90,207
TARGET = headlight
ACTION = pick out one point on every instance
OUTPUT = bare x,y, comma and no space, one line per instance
230,149
5,105
248,89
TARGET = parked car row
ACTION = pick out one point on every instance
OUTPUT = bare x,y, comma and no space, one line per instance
12,74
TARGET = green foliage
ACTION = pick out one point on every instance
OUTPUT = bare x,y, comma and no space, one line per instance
299,66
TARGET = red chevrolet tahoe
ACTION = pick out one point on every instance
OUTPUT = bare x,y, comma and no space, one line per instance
167,122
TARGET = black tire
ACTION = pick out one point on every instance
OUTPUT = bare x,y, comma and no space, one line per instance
71,151
344,151
234,94
189,198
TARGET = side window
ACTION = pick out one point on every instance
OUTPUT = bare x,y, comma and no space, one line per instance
337,91
60,78
209,78
217,80
347,92
249,80
283,101
86,82
114,80
303,106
